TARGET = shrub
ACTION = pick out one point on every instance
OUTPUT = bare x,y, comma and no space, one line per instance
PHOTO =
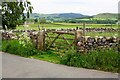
22,47
107,60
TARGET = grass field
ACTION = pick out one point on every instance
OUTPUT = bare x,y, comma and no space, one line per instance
74,25
67,25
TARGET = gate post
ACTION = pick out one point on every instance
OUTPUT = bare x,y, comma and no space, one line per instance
78,34
41,40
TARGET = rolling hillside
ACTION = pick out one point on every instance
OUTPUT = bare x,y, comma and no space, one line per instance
106,16
74,15
58,15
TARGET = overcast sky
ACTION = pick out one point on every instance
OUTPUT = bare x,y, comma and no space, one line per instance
86,7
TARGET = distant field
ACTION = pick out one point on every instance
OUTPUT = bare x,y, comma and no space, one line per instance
74,25
67,25
92,34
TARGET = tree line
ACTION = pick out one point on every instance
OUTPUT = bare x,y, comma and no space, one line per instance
92,21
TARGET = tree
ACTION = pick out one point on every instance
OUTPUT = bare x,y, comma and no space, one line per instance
13,13
42,20
36,20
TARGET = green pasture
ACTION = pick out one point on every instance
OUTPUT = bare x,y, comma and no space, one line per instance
95,34
66,25
74,25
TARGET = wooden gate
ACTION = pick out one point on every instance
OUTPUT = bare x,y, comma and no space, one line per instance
47,39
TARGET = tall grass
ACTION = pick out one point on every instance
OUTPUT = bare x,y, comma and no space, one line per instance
107,60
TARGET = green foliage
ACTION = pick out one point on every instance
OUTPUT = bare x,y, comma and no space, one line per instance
107,60
36,20
15,47
13,13
0,45
42,20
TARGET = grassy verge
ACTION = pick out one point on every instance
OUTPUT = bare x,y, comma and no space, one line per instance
49,56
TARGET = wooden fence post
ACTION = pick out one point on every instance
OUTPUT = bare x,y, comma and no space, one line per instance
84,28
84,31
41,40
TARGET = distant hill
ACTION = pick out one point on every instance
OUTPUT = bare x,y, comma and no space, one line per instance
71,15
74,16
58,15
106,16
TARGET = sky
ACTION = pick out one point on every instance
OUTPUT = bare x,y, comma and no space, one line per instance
86,7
